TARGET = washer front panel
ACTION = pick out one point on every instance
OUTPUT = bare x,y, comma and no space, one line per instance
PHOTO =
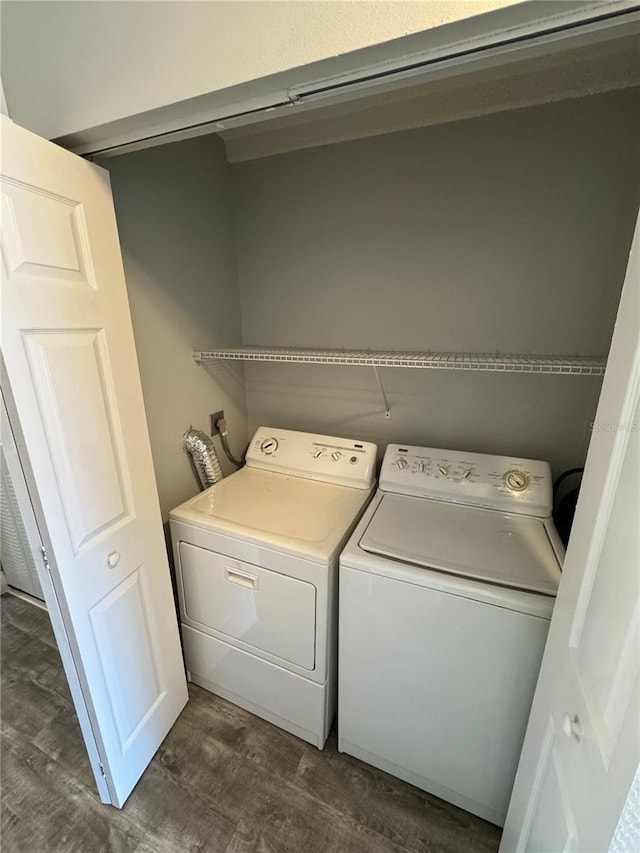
436,688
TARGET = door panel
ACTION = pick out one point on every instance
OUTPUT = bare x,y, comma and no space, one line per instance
45,235
134,679
553,827
70,360
85,443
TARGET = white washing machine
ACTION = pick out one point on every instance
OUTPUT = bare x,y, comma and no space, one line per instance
447,586
256,559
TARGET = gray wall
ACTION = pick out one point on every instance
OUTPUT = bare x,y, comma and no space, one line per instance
173,210
504,233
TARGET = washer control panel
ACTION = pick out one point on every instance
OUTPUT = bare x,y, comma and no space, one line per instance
341,461
476,479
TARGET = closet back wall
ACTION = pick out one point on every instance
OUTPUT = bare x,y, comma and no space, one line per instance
174,219
503,233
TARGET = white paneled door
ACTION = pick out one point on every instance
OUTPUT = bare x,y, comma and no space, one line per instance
582,746
75,402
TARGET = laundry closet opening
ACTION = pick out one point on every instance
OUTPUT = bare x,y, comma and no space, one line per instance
472,221
503,233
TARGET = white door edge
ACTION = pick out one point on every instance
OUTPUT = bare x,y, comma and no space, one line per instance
28,508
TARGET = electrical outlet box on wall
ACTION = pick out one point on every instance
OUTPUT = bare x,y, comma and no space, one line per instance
215,417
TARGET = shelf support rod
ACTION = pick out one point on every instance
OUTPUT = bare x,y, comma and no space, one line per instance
387,410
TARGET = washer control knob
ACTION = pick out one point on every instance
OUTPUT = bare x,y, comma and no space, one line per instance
402,464
464,474
422,467
336,455
269,446
318,453
444,470
516,481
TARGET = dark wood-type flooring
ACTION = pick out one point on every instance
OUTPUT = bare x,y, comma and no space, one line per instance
223,781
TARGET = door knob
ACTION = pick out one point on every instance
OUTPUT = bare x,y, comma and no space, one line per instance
571,726
113,559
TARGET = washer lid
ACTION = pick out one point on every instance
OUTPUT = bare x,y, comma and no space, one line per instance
294,514
512,550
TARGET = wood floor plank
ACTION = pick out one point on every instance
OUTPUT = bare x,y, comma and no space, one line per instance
28,653
45,809
405,814
176,817
272,812
283,819
211,769
28,617
61,740
248,735
27,705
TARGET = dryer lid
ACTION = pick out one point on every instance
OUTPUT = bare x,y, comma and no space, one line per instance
492,546
298,516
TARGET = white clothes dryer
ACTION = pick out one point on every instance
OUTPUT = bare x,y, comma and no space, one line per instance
256,559
447,586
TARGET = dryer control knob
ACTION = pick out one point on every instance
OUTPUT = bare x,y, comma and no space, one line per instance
516,481
401,464
269,446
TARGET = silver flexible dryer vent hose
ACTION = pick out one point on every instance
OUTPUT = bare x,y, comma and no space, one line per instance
205,458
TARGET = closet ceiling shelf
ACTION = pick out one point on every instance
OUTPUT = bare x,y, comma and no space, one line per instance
556,364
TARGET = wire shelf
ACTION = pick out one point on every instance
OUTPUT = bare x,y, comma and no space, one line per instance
558,365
